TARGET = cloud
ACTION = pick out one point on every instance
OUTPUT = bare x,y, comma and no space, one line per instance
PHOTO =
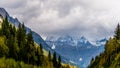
92,18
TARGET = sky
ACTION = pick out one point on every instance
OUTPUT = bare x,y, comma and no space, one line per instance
93,19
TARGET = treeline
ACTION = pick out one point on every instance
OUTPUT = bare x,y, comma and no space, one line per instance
18,45
110,58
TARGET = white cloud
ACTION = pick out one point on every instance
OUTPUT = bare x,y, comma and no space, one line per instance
92,18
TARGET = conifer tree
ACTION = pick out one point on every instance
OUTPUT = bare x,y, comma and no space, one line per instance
40,56
21,39
59,62
54,60
19,31
30,49
117,32
49,56
14,31
30,38
41,50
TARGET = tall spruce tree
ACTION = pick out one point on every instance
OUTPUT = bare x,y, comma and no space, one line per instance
30,49
30,38
21,39
117,32
41,50
40,55
59,62
54,60
49,56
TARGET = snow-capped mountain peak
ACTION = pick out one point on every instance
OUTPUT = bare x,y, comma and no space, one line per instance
82,39
99,42
66,39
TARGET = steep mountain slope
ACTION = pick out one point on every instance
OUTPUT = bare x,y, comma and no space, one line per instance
78,51
37,38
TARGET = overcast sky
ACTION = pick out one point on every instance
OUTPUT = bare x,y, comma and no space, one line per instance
92,18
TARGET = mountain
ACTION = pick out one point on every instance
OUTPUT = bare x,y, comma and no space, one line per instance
37,38
78,51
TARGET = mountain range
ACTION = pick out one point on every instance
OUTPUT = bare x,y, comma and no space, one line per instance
79,51
74,51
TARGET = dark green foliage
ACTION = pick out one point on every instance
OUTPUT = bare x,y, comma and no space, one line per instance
21,40
20,45
30,49
13,47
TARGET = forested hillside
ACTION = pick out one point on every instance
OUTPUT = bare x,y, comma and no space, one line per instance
18,49
110,58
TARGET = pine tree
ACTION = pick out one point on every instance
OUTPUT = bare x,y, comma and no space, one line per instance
30,49
30,38
14,31
54,60
19,31
59,62
49,56
21,40
41,50
117,32
40,56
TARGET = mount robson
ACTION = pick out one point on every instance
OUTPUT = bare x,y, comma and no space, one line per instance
21,47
